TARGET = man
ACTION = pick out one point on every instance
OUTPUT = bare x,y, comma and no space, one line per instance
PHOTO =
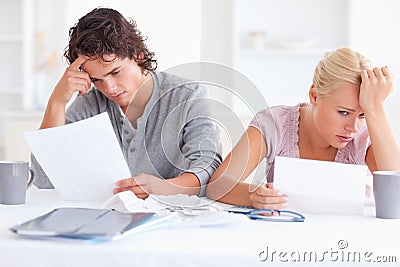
161,121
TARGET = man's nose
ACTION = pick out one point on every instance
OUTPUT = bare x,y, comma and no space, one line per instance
109,85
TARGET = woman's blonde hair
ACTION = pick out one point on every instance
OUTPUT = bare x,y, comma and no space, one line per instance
341,65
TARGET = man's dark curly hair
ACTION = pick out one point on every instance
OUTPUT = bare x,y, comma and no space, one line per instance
104,31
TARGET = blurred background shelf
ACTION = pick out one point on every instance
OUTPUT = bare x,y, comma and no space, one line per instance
15,124
284,52
11,38
279,49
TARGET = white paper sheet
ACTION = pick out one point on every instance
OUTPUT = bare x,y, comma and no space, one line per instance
320,186
83,160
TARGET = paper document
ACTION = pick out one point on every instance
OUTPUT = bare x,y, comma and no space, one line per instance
314,186
83,160
189,211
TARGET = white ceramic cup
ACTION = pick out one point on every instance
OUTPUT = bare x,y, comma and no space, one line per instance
387,194
15,178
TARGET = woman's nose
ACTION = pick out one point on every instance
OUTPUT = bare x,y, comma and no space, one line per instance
352,126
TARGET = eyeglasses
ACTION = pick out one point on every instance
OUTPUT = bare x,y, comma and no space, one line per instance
269,215
275,215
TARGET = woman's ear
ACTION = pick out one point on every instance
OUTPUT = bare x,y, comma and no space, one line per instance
312,94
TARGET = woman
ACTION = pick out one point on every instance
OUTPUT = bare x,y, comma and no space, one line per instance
344,122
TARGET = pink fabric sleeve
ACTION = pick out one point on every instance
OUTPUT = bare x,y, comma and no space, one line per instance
278,125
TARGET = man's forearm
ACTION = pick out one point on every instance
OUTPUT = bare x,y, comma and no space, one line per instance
53,116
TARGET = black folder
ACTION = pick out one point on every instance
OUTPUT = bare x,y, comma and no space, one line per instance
87,223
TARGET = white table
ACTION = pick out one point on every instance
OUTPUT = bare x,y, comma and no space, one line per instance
321,237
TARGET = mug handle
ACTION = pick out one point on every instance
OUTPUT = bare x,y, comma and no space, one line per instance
31,177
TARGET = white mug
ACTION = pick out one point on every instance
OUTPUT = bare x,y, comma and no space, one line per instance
15,178
387,194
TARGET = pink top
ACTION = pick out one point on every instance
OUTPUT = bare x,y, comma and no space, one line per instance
279,126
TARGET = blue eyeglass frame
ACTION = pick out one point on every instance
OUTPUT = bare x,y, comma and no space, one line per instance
256,214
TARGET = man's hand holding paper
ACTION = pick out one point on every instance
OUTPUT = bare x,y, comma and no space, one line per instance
83,160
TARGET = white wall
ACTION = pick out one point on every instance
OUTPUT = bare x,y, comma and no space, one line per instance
217,31
172,27
50,38
374,31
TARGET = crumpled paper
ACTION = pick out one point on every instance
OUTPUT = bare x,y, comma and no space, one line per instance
188,211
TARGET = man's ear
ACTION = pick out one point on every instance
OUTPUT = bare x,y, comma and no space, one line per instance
139,57
312,94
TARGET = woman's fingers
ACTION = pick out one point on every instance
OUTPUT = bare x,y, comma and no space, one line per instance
265,197
377,72
385,71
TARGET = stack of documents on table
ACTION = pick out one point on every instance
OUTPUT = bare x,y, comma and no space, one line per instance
187,211
124,214
90,224
314,186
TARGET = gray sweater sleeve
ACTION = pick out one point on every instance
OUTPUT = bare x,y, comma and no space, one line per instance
41,180
201,142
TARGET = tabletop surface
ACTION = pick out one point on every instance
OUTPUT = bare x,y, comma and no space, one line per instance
327,239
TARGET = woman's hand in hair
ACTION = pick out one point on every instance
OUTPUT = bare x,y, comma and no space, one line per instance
375,87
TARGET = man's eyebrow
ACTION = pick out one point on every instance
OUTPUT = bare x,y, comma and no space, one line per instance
113,70
108,73
347,109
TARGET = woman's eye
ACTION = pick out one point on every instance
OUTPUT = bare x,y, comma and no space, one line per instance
361,116
344,113
115,72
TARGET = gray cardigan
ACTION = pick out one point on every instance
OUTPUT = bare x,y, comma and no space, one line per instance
175,134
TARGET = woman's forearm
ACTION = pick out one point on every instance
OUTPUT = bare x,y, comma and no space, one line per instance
230,191
385,146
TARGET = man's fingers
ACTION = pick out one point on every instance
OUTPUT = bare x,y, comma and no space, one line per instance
126,182
135,189
78,62
142,196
